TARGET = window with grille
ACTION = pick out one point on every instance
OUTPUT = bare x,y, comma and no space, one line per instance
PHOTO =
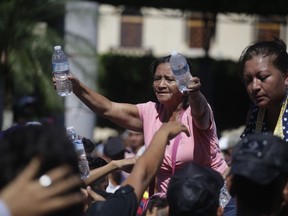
200,30
269,27
131,28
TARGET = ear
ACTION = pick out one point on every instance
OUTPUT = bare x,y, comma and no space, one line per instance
285,193
220,211
286,79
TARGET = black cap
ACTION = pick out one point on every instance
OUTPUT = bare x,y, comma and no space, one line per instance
194,189
114,148
260,158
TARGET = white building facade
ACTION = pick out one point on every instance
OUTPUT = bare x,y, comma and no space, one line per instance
165,30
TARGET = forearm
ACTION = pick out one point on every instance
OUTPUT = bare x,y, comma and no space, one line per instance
149,162
152,158
199,109
147,165
100,172
124,164
123,114
96,102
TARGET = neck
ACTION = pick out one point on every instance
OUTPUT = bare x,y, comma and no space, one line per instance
272,115
172,112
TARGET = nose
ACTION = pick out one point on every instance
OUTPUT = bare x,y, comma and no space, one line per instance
256,85
162,82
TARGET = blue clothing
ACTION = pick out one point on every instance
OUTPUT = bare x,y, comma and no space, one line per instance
230,208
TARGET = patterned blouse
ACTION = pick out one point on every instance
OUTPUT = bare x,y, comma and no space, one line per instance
257,123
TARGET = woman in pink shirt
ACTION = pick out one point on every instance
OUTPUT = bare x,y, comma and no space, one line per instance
191,108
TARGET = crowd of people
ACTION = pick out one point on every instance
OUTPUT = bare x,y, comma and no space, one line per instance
170,155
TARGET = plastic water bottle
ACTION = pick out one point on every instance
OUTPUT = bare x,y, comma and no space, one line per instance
71,133
224,196
80,150
60,65
180,69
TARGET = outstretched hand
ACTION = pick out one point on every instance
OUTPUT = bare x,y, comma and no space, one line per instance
174,128
194,85
25,196
71,77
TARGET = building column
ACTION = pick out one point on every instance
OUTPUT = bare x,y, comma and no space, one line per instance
81,47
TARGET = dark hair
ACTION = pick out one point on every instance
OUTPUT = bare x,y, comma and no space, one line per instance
194,190
156,201
96,162
257,199
159,61
88,145
50,144
191,197
275,50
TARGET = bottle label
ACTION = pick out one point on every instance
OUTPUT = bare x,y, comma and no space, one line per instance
60,67
181,71
78,144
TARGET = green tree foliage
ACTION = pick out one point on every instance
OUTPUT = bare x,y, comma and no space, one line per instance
26,46
125,79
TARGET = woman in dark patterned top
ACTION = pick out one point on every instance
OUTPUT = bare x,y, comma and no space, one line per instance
264,69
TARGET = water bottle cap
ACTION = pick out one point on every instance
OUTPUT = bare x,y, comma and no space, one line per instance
58,47
70,128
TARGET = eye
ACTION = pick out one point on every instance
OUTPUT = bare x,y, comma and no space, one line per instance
170,80
157,79
263,78
247,80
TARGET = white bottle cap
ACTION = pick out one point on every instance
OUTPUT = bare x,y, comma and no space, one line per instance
70,128
58,47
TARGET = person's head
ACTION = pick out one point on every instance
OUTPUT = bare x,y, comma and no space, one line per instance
195,190
164,84
157,206
264,69
114,148
259,173
50,144
136,139
25,109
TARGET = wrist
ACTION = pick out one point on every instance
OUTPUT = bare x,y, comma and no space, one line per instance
114,165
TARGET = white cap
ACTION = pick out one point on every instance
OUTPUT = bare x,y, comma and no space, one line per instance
58,47
70,128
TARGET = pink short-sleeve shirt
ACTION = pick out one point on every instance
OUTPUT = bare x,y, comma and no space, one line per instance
201,147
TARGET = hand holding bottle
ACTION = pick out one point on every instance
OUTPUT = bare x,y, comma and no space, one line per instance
181,70
80,150
60,65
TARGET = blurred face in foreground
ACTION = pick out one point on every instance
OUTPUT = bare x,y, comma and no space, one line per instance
136,139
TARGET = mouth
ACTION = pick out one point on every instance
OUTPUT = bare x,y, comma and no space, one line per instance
162,93
258,99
